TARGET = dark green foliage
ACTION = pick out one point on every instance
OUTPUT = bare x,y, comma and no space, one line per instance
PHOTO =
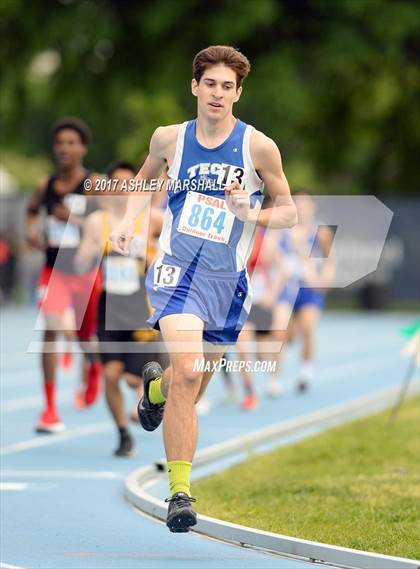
335,83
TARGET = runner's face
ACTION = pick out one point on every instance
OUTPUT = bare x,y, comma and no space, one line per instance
68,148
216,92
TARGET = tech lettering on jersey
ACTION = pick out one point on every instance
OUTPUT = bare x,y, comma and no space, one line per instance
226,173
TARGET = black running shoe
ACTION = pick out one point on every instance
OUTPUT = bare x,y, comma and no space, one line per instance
150,415
302,386
181,515
126,447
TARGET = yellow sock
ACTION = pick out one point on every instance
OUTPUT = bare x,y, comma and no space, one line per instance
179,476
155,393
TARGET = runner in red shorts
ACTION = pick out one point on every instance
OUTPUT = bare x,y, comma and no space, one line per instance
67,300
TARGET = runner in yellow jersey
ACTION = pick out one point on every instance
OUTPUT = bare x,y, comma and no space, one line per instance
123,305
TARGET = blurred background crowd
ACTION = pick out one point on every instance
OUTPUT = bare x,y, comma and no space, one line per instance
335,84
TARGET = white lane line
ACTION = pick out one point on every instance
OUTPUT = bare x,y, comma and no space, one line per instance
362,365
9,566
387,342
22,403
47,440
353,370
29,375
342,369
348,350
65,474
19,486
14,376
13,486
285,546
20,380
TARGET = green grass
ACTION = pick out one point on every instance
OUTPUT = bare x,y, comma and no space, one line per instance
356,486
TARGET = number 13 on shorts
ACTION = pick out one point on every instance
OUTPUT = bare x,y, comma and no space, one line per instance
165,275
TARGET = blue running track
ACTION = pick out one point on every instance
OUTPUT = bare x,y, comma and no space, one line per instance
62,499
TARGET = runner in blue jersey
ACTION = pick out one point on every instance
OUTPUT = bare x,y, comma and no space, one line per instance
309,268
198,286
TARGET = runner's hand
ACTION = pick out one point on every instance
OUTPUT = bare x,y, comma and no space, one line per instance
121,237
61,212
35,239
237,200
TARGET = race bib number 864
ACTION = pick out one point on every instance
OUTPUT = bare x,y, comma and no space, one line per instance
207,217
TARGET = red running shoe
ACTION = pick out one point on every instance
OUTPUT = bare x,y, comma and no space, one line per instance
66,361
94,383
49,422
249,402
79,400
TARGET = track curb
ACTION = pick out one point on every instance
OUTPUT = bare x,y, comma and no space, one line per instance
137,482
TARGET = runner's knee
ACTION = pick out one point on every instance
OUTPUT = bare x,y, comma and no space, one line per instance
50,336
112,373
307,332
185,372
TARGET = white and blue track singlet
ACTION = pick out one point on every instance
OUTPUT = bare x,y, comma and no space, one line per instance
198,225
296,291
293,258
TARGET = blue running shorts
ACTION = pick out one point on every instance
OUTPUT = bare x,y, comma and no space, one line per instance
299,296
221,300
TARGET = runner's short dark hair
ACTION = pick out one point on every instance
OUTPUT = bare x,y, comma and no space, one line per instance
120,165
221,54
75,124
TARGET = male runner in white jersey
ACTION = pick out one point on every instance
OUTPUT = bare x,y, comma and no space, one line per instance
198,287
67,300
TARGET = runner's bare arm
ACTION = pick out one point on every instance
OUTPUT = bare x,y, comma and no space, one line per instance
159,197
267,162
273,258
155,228
156,221
155,162
91,245
62,212
33,233
161,145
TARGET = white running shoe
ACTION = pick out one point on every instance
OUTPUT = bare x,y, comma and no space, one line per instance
274,388
228,398
203,407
